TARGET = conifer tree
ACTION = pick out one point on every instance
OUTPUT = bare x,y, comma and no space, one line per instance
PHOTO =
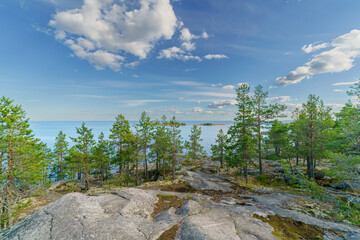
60,150
101,156
195,151
145,129
120,133
218,149
176,143
241,139
161,144
263,112
84,143
24,160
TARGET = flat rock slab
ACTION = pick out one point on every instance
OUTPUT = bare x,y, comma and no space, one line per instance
203,181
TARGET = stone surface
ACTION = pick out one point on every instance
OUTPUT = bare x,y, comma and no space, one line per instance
127,214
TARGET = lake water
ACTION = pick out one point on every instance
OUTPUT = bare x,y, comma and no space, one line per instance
48,130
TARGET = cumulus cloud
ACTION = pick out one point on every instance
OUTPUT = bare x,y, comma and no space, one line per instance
187,46
345,49
177,53
314,47
109,28
215,56
339,90
222,104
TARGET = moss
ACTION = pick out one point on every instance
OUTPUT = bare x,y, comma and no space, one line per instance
169,234
287,228
178,187
165,202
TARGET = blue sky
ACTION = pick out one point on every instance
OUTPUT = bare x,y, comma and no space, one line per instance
94,59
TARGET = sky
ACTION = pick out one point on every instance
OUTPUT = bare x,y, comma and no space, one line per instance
90,60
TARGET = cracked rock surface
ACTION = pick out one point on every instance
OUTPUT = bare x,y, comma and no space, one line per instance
128,214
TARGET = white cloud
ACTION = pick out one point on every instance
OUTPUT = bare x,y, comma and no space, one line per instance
198,109
344,83
99,58
228,87
345,49
339,90
334,105
222,104
177,53
112,28
136,103
215,56
187,46
215,85
281,99
314,47
187,83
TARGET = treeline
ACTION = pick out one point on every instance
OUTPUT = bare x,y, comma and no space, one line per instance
123,159
313,134
151,149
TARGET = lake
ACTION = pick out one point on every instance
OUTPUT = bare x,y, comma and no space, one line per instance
48,130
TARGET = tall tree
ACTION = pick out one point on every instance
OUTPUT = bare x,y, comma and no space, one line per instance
120,133
176,143
101,156
264,112
241,140
145,129
318,120
195,151
218,149
24,160
84,143
60,150
162,144
278,137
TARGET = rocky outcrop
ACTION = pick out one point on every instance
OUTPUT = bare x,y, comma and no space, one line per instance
135,213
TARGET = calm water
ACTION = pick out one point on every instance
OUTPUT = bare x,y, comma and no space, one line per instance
47,131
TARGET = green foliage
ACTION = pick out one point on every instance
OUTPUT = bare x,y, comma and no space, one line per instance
241,142
218,149
84,143
24,160
195,151
60,151
344,167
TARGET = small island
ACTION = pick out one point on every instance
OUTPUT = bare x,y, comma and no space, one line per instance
210,124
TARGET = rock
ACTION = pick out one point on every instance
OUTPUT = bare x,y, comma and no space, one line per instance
190,207
214,224
128,214
202,181
277,165
353,186
64,187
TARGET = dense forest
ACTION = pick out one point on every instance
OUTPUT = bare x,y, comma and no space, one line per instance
153,149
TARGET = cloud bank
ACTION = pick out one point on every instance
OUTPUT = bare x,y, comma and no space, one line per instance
345,49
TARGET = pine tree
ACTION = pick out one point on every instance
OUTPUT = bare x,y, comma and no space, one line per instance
278,137
241,140
24,161
162,144
119,136
218,149
101,157
60,150
195,151
84,143
176,143
145,129
263,112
